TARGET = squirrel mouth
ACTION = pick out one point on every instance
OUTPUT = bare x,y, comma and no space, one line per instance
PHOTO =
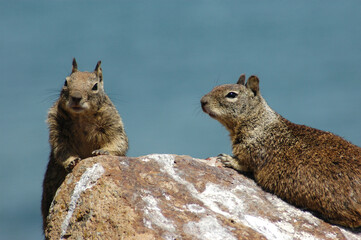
77,109
212,115
206,110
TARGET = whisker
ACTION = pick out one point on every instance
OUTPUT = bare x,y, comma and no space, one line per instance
117,98
50,96
196,107
217,80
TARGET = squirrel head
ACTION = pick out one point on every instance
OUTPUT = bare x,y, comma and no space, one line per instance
82,91
232,104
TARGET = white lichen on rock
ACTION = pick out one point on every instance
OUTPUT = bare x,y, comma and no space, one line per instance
235,203
154,215
208,228
87,180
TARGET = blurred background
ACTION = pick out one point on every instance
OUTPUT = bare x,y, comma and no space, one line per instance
159,58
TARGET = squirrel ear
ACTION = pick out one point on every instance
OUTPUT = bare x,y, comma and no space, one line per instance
75,66
98,71
253,84
241,79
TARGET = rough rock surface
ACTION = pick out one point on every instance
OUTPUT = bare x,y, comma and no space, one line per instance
174,197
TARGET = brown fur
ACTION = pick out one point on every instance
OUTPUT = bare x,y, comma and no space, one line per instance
83,122
309,168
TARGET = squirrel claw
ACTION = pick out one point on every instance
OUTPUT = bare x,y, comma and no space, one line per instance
232,162
227,160
100,152
72,164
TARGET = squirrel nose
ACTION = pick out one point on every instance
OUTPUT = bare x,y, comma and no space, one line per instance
76,97
203,102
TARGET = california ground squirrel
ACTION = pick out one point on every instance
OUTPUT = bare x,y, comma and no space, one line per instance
83,122
309,168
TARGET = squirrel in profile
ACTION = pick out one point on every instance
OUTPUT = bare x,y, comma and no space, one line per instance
83,122
306,167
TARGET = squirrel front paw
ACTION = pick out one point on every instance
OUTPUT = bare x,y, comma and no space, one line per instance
100,152
227,160
70,163
232,162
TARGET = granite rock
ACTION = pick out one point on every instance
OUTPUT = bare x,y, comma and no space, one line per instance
163,196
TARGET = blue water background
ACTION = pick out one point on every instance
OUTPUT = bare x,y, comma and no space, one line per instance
159,58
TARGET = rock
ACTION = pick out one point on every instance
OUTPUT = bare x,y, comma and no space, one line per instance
174,197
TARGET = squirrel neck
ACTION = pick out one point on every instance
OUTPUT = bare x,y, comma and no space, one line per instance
258,127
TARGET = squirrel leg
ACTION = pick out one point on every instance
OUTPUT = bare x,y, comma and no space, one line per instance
108,149
232,162
117,147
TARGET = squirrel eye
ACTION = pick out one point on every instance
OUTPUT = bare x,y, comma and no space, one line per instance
95,87
231,95
65,83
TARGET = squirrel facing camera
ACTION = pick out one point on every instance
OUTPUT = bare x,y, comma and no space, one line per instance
82,91
83,123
